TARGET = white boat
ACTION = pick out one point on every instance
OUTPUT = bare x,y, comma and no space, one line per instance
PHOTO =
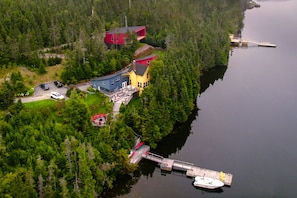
207,182
266,44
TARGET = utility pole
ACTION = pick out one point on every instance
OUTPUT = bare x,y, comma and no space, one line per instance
129,4
126,23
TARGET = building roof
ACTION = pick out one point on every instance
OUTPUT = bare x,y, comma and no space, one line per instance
126,29
146,57
125,70
140,69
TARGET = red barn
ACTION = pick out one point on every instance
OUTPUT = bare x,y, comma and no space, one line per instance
146,60
118,36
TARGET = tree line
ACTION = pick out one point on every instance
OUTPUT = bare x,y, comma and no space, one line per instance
60,154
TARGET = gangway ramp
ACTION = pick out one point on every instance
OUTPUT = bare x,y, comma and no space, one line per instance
153,157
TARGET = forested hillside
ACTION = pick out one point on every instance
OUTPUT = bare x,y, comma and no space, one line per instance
55,151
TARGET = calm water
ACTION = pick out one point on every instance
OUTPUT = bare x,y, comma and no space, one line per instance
247,119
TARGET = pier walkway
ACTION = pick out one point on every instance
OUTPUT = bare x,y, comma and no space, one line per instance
172,164
244,42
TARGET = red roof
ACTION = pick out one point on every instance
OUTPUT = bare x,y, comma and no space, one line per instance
95,117
118,36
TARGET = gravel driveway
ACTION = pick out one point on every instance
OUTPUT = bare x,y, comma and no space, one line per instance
40,94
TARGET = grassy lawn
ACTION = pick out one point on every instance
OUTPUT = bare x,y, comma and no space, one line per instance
135,102
97,103
40,104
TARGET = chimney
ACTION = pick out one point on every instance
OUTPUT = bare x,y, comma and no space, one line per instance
134,65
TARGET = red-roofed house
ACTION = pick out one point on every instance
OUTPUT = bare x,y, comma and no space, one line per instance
118,36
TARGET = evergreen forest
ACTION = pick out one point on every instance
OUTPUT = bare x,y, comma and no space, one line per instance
54,151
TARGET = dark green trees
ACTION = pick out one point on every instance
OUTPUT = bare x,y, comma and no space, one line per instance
6,96
54,151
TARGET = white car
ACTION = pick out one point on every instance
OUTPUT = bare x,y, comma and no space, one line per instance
57,96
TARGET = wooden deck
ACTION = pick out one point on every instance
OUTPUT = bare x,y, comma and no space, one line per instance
244,42
224,177
190,169
137,156
172,164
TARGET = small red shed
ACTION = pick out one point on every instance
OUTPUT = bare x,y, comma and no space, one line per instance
99,119
118,36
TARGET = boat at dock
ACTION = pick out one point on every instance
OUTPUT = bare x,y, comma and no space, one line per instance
207,182
266,44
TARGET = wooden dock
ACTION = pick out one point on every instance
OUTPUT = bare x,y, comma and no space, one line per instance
245,42
224,177
172,164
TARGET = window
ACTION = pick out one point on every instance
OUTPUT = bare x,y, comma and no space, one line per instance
118,79
147,76
112,82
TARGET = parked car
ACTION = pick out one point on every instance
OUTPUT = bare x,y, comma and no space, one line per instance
58,84
57,96
44,86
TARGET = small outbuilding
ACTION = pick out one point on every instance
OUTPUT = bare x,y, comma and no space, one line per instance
119,36
99,120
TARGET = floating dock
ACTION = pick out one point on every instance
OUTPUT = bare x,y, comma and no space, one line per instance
244,42
172,164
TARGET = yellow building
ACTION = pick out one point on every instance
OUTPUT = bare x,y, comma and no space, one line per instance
138,76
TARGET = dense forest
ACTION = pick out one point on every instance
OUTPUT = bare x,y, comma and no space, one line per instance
55,151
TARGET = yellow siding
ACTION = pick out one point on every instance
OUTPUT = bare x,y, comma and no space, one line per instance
137,80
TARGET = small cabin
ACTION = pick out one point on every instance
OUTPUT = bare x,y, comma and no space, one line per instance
99,120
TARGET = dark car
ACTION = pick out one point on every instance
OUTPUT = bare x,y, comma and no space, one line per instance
58,84
44,86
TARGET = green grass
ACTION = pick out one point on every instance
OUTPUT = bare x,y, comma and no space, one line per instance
40,104
93,99
97,103
135,102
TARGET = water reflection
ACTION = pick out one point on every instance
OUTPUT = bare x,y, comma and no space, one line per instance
122,186
177,139
209,77
208,191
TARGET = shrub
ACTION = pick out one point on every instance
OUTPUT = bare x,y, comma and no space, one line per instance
31,91
54,61
68,93
25,93
91,89
20,87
